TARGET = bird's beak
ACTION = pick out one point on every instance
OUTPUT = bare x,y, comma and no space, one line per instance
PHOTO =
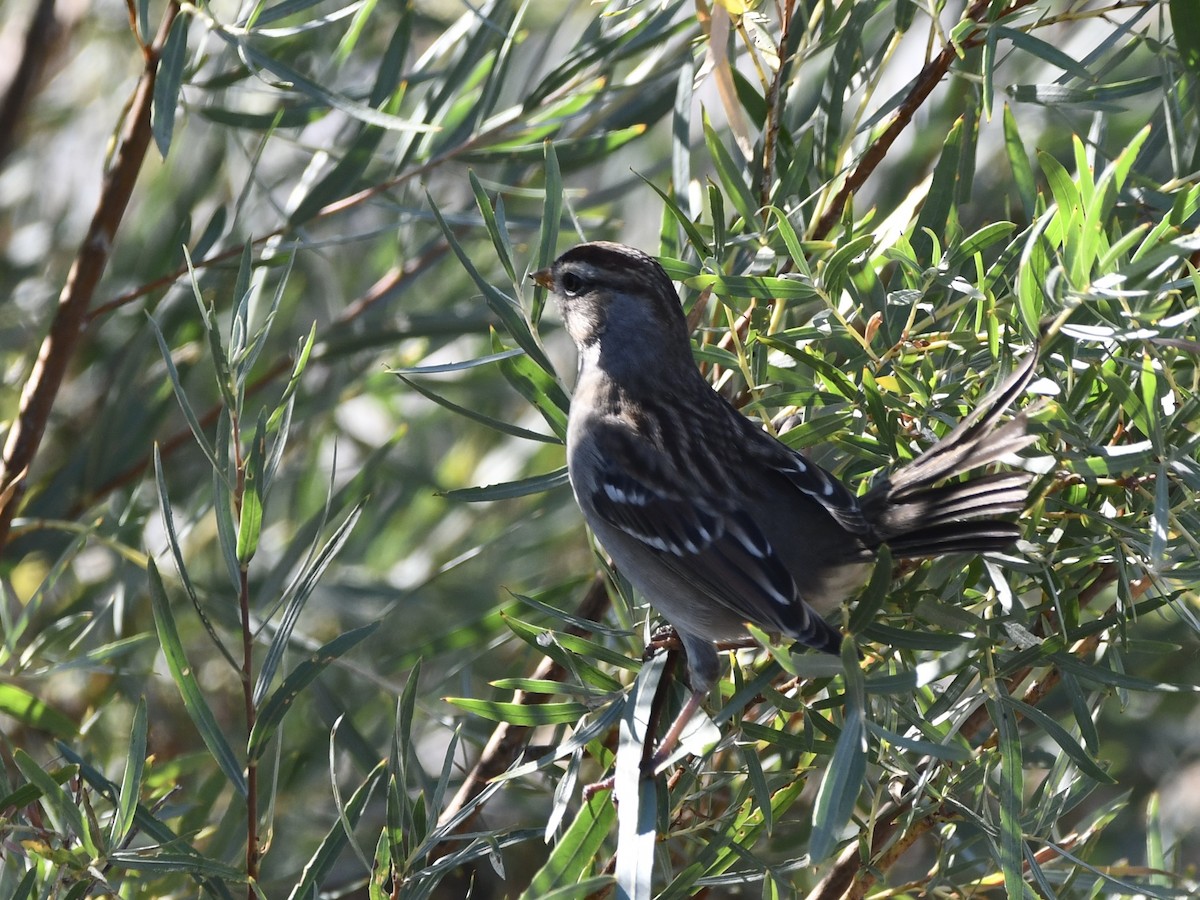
543,278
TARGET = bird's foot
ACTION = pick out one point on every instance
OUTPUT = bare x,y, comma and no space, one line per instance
662,639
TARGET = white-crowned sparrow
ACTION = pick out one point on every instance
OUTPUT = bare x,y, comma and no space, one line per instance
714,520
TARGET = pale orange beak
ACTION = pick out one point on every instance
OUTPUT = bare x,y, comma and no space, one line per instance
543,278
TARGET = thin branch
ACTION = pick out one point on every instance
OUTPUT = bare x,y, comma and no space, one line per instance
58,348
43,35
929,78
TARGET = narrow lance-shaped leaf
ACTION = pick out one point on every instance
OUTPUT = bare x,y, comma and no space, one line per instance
59,802
185,680
131,783
184,404
284,697
551,213
844,774
250,523
730,173
491,224
330,849
245,364
302,356
167,84
537,386
575,854
176,547
35,712
521,713
635,795
473,415
1010,788
502,305
298,592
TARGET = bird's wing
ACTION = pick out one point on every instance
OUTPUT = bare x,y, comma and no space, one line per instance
808,478
713,546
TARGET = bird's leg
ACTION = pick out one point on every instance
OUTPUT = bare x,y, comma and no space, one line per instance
671,739
662,639
703,670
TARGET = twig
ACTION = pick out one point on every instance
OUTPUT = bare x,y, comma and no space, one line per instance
58,348
43,33
929,78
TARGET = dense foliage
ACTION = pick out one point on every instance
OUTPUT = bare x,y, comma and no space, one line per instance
295,601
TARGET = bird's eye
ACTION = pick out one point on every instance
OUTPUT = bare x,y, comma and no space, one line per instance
571,283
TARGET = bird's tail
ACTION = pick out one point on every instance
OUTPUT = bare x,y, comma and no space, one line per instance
916,514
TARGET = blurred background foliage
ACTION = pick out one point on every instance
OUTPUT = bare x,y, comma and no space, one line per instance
302,476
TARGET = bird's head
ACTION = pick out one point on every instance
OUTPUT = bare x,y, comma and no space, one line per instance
617,300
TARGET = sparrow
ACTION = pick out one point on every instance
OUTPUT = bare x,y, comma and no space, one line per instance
712,519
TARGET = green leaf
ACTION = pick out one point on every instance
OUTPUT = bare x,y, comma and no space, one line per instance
1011,789
173,542
689,227
297,594
575,854
182,673
1062,738
761,287
345,178
834,272
844,775
30,793
574,659
315,91
473,415
131,783
57,800
731,175
505,307
34,712
331,847
250,522
565,712
284,696
303,354
510,490
1186,28
1044,51
551,214
1018,162
949,752
491,223
167,83
184,404
944,193
537,385
635,795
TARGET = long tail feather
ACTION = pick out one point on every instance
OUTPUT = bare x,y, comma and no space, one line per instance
916,514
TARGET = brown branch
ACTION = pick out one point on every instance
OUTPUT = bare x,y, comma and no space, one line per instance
44,32
774,105
508,741
58,348
929,78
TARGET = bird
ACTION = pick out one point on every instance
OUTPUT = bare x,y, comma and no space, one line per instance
716,522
